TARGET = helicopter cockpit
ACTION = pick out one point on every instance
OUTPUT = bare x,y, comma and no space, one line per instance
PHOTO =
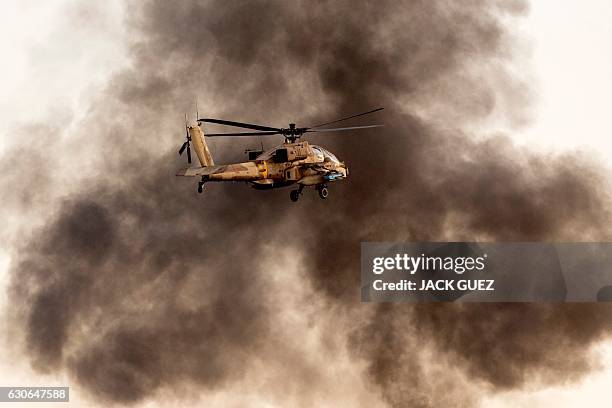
324,154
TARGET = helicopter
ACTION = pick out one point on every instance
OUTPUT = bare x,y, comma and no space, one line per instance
293,163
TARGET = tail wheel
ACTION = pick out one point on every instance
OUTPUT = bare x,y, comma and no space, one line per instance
201,184
294,195
323,192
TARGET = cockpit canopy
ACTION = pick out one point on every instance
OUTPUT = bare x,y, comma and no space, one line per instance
327,155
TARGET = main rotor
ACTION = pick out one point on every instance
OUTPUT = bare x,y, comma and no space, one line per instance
291,134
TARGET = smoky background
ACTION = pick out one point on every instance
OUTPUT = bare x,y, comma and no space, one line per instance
135,286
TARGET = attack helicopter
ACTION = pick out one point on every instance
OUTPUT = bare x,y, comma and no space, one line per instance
293,163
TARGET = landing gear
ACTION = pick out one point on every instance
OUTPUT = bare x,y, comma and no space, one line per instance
201,184
323,192
295,194
321,188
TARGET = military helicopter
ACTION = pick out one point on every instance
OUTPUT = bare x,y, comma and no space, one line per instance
294,162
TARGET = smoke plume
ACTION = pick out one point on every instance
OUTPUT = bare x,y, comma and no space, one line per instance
136,285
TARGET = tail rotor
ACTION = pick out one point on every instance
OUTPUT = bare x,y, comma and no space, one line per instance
187,144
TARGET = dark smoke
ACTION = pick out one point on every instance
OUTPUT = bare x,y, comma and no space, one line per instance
136,285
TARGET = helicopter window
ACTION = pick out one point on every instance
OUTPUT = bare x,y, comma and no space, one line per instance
317,152
330,156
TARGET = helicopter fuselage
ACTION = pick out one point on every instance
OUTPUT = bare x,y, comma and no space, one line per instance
284,165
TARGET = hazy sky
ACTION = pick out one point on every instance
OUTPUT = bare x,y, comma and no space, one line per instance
572,63
51,69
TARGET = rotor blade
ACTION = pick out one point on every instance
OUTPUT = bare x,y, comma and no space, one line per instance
242,134
182,149
188,154
348,117
239,124
345,128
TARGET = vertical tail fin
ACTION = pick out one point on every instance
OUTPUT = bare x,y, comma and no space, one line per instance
200,146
